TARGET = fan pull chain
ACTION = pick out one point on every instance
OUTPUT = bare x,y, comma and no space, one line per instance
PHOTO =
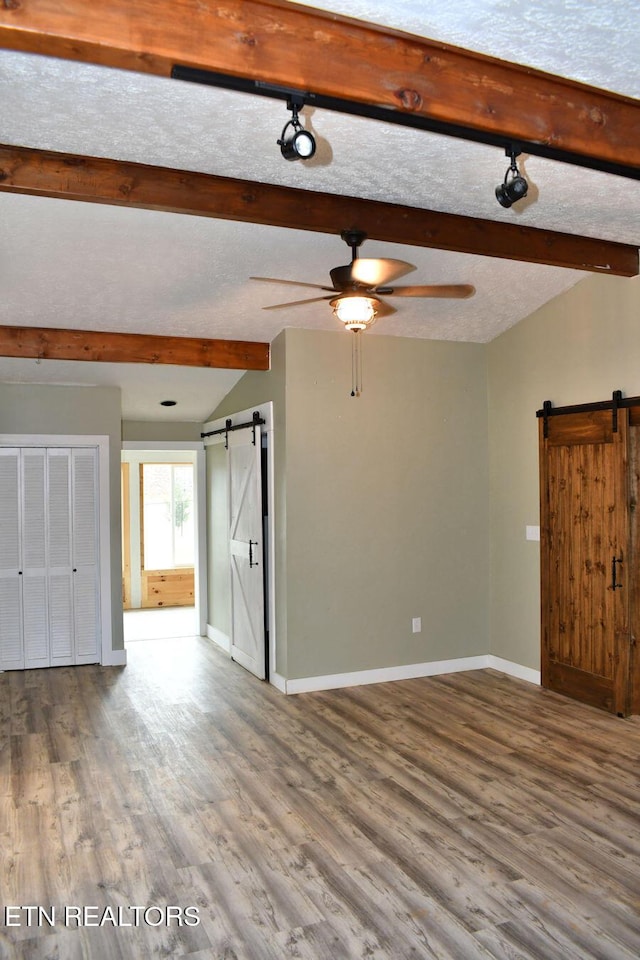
356,365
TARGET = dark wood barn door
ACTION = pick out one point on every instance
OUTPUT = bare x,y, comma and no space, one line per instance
585,557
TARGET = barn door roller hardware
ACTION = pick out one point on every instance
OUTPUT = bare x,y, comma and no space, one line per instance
230,426
617,402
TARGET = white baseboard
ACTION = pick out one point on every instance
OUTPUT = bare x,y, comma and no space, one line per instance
219,638
383,675
358,678
514,669
115,658
278,682
409,672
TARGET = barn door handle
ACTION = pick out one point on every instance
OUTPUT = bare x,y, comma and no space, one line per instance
614,585
252,563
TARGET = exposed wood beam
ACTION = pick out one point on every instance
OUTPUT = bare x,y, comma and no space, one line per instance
45,343
299,47
97,180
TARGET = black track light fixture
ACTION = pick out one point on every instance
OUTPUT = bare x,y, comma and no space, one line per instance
298,143
514,186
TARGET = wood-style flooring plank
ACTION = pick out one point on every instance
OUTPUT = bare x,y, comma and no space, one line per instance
463,817
582,924
427,924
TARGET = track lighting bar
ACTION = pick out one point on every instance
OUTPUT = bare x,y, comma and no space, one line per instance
387,115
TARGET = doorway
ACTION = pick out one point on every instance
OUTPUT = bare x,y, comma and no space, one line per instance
163,623
163,560
242,546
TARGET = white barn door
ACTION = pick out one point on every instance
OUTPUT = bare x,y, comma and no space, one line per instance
246,549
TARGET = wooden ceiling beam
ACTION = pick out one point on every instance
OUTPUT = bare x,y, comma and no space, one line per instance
48,343
306,49
97,180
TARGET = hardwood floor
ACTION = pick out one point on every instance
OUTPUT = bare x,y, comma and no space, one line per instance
461,817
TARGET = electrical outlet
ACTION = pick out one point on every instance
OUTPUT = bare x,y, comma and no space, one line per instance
416,624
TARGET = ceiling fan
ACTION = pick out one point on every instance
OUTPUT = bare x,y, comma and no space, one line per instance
358,287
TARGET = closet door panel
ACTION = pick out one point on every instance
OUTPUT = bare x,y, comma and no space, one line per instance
85,613
61,618
85,556
34,501
34,558
60,560
84,505
11,650
59,464
35,621
9,509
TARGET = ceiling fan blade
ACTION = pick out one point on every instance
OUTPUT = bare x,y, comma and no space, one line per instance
378,272
384,310
297,303
294,283
444,290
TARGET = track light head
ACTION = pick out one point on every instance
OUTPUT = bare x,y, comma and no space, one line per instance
298,143
514,186
509,193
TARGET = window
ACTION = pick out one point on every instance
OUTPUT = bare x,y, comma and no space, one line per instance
168,522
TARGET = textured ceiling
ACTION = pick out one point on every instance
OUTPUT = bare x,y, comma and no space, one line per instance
110,268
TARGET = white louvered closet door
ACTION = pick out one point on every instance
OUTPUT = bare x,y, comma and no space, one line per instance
60,566
49,576
84,500
35,615
11,650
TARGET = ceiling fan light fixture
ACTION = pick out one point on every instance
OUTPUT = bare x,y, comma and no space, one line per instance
514,186
296,143
355,311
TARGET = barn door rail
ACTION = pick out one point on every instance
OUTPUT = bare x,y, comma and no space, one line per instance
230,426
617,402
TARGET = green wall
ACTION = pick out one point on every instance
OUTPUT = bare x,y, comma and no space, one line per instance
90,411
387,503
578,348
146,431
381,501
